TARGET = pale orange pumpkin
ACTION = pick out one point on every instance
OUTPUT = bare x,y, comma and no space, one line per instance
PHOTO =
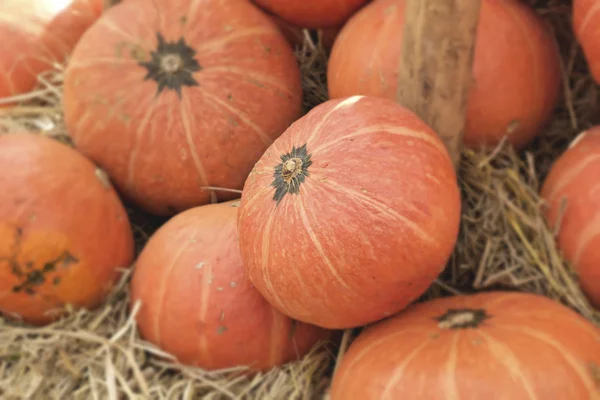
174,97
516,67
197,303
37,33
495,345
64,233
586,25
572,193
351,214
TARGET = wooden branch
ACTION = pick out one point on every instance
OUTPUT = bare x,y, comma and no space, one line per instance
435,69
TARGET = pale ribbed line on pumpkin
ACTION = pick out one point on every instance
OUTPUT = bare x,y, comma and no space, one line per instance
206,285
264,267
387,393
313,238
577,366
162,288
83,119
300,209
111,26
404,132
220,43
504,354
393,337
317,129
186,121
589,16
95,61
241,115
11,86
571,173
138,135
192,10
449,383
259,78
377,205
586,236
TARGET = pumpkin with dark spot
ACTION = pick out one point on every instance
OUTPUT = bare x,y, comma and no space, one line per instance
571,192
351,214
176,98
197,304
516,68
313,13
494,345
64,233
37,34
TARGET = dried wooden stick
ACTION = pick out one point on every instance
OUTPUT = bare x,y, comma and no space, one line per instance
435,71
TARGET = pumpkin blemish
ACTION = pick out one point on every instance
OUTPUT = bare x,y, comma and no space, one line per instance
462,318
291,172
171,65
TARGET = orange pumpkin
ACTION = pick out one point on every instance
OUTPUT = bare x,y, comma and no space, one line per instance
574,183
197,304
171,97
586,25
516,68
64,232
313,13
37,33
351,214
495,345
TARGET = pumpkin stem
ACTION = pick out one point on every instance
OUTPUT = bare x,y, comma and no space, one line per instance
290,174
462,318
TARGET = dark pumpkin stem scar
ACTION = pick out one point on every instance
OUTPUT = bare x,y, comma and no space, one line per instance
291,173
172,65
462,318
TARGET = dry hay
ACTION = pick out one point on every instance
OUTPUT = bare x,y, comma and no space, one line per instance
503,244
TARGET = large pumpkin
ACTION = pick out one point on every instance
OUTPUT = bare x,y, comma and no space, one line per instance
37,33
64,233
586,25
197,304
516,67
351,214
572,193
171,97
495,345
313,13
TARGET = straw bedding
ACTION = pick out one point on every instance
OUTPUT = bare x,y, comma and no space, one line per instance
503,244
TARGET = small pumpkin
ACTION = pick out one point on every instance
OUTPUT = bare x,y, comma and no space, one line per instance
484,346
516,67
313,13
198,305
349,215
173,97
37,33
572,195
64,233
586,25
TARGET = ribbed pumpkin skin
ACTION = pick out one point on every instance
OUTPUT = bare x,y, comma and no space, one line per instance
313,13
516,67
372,226
64,232
239,91
586,25
575,178
529,347
37,33
198,304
